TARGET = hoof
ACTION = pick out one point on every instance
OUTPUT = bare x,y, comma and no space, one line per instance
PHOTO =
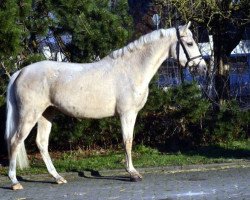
61,180
135,178
17,186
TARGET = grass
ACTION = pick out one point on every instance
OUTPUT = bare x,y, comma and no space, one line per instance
76,161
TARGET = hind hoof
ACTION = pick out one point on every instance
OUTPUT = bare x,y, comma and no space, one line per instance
61,180
17,186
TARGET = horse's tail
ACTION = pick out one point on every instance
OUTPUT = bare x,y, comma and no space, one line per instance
11,123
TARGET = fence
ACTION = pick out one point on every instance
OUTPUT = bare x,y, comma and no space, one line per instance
239,77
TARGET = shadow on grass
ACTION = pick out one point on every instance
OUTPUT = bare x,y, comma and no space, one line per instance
216,151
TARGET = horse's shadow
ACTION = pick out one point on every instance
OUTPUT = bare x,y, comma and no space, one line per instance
88,174
21,179
34,181
96,175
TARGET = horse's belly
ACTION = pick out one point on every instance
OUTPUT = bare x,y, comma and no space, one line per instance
87,108
95,111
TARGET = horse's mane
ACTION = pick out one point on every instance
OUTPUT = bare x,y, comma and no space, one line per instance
145,39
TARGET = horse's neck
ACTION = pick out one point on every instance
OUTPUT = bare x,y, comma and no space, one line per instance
150,60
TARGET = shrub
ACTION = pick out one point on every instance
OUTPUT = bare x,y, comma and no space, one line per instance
174,119
231,123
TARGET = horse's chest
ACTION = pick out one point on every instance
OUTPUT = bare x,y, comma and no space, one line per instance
140,98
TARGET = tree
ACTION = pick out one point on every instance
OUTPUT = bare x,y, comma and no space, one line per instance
87,30
226,22
142,12
38,23
10,33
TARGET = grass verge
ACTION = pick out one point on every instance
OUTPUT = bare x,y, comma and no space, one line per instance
77,161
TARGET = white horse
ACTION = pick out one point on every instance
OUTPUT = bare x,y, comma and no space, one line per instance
117,84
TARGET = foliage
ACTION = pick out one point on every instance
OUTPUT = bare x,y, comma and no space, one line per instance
94,30
10,31
69,133
143,156
178,120
209,10
231,123
36,57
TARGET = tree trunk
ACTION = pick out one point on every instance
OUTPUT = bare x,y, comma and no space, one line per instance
222,68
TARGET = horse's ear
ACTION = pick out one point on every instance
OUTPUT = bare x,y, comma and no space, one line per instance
187,26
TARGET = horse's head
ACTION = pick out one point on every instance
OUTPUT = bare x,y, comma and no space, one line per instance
186,51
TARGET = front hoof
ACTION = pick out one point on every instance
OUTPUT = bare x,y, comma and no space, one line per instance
135,178
17,186
61,180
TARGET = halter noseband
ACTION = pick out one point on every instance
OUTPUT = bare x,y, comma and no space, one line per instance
184,49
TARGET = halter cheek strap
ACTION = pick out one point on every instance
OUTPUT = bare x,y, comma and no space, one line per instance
184,49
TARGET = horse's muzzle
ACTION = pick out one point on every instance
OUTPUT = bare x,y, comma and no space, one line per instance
200,68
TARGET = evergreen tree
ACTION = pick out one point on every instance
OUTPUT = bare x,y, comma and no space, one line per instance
89,29
10,33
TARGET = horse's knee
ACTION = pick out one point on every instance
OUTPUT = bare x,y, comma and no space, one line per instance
128,143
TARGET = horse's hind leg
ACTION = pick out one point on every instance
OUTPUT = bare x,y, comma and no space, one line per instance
42,140
23,129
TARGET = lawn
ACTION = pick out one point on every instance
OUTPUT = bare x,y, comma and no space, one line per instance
79,160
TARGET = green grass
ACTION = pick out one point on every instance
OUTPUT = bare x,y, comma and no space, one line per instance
76,161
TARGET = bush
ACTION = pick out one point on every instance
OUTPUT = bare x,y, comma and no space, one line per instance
178,117
231,123
70,133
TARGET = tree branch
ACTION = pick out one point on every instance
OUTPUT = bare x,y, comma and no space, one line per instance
4,68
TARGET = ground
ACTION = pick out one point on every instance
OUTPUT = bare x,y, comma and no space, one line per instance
219,181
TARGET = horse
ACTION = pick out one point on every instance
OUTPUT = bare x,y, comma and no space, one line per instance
115,85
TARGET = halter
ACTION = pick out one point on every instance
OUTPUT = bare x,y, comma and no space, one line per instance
184,49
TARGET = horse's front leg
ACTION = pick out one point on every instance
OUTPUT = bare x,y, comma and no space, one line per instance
128,122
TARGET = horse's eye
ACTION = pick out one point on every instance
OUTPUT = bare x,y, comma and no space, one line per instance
190,44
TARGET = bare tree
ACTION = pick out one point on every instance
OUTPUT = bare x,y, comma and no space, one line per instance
224,20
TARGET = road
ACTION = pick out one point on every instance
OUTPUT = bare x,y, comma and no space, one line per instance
230,183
